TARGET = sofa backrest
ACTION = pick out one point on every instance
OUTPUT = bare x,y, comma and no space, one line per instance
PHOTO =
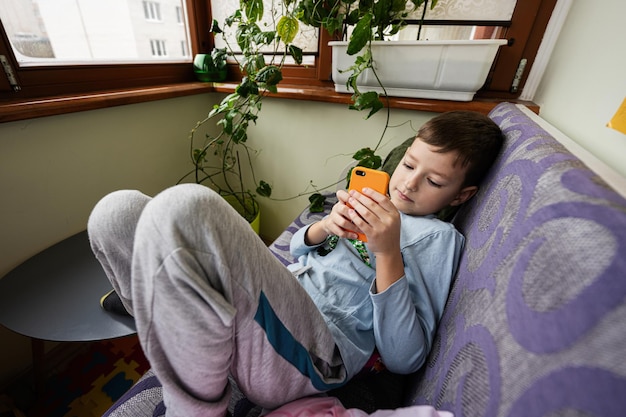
535,324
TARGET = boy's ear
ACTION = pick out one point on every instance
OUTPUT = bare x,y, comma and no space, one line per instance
464,195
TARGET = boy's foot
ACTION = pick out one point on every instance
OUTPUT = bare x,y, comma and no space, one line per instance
111,302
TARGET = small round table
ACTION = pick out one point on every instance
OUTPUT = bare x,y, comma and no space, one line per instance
55,296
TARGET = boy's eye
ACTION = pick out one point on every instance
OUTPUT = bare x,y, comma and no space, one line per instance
433,183
407,166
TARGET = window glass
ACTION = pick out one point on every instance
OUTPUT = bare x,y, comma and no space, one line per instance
456,10
85,31
468,10
449,32
307,38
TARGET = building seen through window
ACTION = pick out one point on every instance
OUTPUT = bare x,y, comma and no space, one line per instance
76,31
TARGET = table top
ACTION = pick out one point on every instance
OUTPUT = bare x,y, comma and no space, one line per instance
55,295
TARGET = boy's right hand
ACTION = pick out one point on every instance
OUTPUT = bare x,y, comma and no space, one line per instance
336,223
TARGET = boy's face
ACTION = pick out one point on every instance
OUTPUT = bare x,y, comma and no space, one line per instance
425,181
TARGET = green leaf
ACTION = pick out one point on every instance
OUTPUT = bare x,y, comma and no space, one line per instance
361,34
395,28
335,24
242,36
366,4
362,153
231,115
247,87
296,53
369,100
224,104
264,38
287,28
366,157
270,75
398,5
312,13
227,121
381,11
215,27
230,20
252,63
218,55
264,189
317,203
253,9
240,135
353,17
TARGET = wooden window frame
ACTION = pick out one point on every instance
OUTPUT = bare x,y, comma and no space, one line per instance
103,85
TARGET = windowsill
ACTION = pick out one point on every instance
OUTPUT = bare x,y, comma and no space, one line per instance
13,110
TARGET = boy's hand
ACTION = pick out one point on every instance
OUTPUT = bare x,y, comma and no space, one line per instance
376,216
338,223
379,219
372,213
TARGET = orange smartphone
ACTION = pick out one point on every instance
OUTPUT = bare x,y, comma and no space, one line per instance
366,177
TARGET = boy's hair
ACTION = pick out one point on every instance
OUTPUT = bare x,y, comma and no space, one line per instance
475,137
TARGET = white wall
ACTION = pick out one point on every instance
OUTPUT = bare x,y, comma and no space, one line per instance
584,82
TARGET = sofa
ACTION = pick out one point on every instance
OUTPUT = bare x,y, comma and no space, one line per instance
535,323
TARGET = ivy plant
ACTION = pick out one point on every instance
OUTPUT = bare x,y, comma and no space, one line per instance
370,20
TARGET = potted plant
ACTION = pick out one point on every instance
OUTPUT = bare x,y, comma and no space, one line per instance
211,67
223,161
368,64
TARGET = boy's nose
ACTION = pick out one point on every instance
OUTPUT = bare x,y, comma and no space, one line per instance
411,183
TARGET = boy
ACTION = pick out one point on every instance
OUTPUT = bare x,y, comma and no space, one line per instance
210,300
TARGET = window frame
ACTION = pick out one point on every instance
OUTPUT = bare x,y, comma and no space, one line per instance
37,84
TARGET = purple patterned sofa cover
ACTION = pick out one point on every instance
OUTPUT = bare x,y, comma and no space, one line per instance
535,324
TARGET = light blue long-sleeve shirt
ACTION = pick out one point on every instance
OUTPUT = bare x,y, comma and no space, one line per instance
399,321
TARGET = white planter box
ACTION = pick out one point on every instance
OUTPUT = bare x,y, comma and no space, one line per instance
446,70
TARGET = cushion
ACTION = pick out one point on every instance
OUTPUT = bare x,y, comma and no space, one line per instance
535,324
395,156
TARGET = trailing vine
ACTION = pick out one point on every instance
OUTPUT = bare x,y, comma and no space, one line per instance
371,20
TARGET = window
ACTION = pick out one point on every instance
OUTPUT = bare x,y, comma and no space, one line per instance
89,45
94,46
158,47
521,22
152,10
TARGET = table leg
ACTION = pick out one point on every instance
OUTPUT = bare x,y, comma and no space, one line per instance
38,351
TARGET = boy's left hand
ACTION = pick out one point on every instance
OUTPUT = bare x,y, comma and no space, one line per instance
378,218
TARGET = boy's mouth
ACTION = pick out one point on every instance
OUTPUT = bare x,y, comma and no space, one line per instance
403,196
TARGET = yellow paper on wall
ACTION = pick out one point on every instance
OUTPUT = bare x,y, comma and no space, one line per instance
618,122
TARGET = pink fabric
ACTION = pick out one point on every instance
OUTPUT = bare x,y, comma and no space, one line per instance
331,407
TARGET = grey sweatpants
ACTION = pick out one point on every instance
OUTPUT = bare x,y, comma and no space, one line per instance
209,300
